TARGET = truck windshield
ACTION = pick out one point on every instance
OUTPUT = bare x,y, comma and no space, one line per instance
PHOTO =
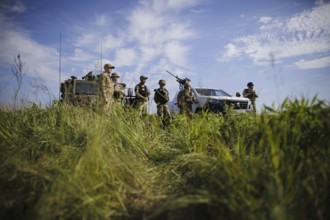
211,92
86,88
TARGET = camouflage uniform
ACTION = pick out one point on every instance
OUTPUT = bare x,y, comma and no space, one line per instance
251,94
161,98
142,94
185,99
106,86
119,91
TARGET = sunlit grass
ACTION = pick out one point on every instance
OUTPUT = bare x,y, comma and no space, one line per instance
66,162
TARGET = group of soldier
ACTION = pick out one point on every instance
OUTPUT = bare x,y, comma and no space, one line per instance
112,93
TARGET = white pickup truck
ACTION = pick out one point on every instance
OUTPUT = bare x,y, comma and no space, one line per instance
213,100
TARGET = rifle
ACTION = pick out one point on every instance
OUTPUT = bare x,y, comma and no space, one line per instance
161,95
179,80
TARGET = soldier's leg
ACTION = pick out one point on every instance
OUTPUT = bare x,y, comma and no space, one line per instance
167,115
144,109
254,107
166,111
138,106
160,111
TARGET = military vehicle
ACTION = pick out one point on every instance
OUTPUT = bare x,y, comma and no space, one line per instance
86,91
211,100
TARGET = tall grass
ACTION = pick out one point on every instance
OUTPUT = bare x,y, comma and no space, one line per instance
73,163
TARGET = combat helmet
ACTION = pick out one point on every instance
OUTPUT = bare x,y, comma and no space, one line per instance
162,82
114,74
108,65
250,84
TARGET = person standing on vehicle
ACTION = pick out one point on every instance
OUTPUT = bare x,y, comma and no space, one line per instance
142,94
251,94
185,99
161,98
119,91
106,86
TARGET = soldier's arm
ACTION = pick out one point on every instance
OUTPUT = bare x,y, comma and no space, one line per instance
178,101
112,85
148,93
246,93
167,96
102,86
156,99
137,88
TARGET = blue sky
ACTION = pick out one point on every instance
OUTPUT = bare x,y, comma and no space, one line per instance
282,46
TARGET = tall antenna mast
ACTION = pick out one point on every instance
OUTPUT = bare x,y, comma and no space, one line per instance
59,67
101,57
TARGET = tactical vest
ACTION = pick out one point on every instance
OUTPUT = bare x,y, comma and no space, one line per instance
161,96
143,90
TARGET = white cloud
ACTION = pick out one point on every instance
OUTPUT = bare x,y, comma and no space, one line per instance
154,26
176,53
180,4
142,19
125,57
87,39
306,33
18,7
148,53
166,5
34,55
231,51
102,20
111,42
265,19
314,64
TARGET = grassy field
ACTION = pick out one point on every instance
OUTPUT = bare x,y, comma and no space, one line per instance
72,163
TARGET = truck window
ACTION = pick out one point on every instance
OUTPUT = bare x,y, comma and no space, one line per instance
84,88
211,92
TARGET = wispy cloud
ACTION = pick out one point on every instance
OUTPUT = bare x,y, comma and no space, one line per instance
16,41
314,64
306,33
126,57
17,6
176,52
102,20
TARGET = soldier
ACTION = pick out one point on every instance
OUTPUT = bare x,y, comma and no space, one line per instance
161,98
106,85
119,91
251,94
185,99
142,94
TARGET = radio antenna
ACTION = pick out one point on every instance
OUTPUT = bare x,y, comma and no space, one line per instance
60,67
101,56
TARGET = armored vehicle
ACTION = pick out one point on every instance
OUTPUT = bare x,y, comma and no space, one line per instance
86,91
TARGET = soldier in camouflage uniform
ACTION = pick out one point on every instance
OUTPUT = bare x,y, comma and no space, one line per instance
119,91
106,86
251,94
161,98
185,99
142,94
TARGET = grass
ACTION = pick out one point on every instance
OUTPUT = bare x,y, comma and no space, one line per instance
72,163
